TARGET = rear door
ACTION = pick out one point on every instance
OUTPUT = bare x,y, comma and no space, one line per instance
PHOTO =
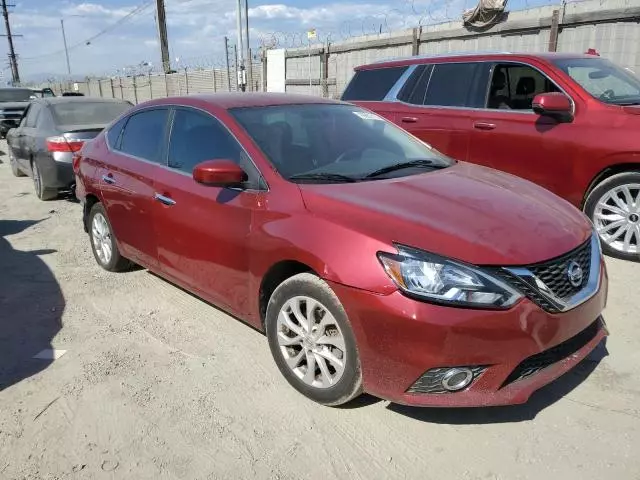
435,105
126,183
204,231
27,135
509,136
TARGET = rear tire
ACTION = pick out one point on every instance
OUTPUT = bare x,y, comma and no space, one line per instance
42,192
326,343
614,208
103,242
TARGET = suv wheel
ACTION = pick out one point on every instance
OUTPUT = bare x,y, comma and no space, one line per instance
311,340
103,243
614,208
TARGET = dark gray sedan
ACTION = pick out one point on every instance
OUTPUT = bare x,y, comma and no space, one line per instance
52,129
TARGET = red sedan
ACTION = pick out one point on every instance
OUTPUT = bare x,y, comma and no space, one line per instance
372,262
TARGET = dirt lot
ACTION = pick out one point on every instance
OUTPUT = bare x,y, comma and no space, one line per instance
157,384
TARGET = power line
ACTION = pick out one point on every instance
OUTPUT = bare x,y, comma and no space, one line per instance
136,11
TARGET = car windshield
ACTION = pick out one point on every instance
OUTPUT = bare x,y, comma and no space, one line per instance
15,95
603,79
329,143
88,113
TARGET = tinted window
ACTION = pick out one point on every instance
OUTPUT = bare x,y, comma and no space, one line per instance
144,133
113,134
450,84
87,113
513,86
415,88
32,115
360,141
196,137
372,84
15,95
603,80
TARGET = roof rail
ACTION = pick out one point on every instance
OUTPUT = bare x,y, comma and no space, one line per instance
440,55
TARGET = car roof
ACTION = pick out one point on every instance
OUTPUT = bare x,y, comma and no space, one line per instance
470,56
231,100
58,100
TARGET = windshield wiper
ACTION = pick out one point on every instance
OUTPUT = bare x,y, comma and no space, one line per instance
323,176
401,166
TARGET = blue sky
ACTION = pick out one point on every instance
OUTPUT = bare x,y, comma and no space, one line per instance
197,28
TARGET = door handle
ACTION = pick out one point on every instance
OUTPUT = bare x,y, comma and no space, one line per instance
484,126
409,120
165,200
108,179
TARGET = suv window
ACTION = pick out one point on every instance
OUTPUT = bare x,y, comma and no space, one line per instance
373,84
32,115
196,137
143,134
513,86
445,85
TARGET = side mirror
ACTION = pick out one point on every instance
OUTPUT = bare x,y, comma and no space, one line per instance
219,173
555,105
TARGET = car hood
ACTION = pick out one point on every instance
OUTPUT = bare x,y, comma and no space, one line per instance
470,213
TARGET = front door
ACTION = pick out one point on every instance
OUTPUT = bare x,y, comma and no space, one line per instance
126,183
509,136
204,231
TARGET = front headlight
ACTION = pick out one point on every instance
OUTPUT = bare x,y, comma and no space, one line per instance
440,280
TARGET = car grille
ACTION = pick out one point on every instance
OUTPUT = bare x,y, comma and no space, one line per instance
553,274
535,363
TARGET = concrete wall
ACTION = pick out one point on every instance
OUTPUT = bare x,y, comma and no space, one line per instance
612,28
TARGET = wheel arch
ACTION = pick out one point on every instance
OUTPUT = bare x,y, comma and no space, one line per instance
607,172
275,276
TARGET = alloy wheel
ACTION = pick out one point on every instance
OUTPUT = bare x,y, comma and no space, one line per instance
617,218
311,342
101,235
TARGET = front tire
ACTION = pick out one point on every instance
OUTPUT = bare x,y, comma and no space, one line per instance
103,242
312,342
614,208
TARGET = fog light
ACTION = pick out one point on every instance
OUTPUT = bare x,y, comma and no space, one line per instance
456,379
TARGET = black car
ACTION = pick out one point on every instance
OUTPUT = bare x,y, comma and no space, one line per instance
13,103
49,133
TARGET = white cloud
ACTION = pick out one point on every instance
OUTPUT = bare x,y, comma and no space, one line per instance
196,28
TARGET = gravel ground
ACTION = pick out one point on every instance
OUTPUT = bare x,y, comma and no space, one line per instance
156,384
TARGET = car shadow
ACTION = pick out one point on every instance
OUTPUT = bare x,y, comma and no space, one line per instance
31,307
540,399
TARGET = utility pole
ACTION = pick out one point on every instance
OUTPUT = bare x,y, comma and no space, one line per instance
226,56
241,74
66,50
162,35
12,54
246,45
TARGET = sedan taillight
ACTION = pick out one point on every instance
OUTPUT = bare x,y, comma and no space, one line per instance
61,144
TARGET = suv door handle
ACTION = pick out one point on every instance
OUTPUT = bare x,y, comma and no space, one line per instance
108,179
165,200
484,126
409,120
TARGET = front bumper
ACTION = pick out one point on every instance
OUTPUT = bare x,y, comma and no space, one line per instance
399,339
